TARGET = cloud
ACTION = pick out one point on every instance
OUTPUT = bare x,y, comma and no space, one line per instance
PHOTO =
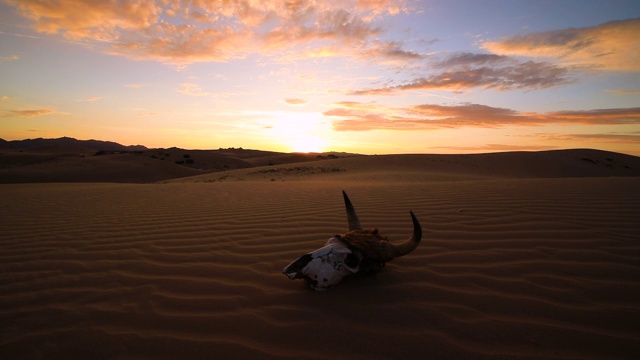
389,53
90,99
496,148
193,89
463,71
5,98
187,31
353,116
146,113
181,44
27,113
613,45
624,91
326,24
600,138
295,101
20,35
9,58
98,20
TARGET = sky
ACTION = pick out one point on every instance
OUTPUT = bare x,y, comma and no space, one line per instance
363,76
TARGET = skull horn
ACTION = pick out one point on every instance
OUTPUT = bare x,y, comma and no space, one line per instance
412,243
352,217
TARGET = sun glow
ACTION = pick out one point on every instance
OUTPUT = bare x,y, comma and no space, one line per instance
300,132
307,143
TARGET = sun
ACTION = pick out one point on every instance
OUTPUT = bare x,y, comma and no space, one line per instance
307,143
300,132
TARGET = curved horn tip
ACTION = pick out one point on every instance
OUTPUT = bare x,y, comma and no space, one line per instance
352,217
416,224
410,244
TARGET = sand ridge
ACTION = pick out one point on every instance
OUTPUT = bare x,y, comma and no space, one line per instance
79,164
543,268
440,167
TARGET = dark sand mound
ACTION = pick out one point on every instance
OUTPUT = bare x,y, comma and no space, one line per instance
434,167
62,163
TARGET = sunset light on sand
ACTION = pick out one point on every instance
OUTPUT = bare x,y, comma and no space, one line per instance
362,76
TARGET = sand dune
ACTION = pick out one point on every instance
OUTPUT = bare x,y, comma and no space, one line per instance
511,266
438,167
70,160
80,164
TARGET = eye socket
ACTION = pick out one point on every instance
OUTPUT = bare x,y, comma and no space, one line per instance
352,261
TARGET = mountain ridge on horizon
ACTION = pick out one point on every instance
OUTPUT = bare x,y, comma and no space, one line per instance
107,145
99,145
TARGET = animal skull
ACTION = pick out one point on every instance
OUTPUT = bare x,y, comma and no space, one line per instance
326,266
357,251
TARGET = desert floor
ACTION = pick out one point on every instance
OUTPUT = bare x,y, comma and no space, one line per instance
527,268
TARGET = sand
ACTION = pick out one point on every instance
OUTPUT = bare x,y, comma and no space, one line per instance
511,266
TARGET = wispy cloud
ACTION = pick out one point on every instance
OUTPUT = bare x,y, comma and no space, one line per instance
135,86
353,116
390,53
9,58
613,45
600,138
624,91
496,148
27,113
193,89
295,102
186,31
20,35
464,71
90,99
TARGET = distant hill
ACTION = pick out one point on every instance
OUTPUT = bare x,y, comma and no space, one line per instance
71,160
567,163
67,143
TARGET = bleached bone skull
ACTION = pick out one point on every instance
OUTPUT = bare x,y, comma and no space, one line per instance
358,251
326,266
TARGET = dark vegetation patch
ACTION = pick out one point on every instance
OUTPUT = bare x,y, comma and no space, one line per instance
301,170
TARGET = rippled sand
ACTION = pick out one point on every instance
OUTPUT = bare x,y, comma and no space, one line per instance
508,268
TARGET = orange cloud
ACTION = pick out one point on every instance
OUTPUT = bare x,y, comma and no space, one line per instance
624,91
467,70
192,89
27,113
99,20
359,117
497,148
383,6
9,58
613,45
186,31
606,138
90,99
295,101
389,53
